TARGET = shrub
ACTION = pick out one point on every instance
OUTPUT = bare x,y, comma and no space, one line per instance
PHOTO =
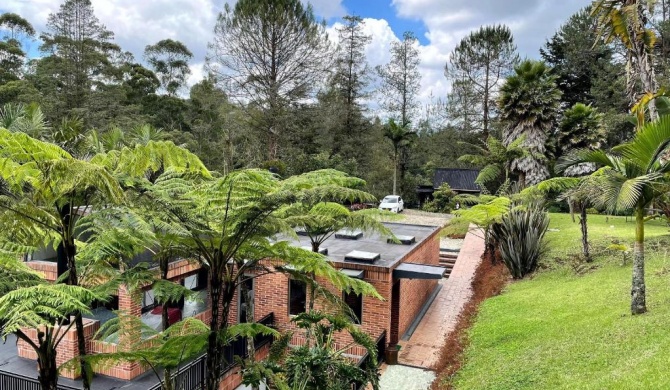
442,200
519,237
592,211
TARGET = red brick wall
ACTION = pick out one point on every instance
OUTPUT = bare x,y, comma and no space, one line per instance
414,292
271,295
66,350
232,379
48,269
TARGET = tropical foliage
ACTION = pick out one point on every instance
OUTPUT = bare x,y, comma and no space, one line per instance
529,102
631,178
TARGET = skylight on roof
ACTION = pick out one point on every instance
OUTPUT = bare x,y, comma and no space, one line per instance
403,240
349,234
362,256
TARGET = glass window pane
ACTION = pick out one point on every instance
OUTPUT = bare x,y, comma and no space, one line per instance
355,303
297,292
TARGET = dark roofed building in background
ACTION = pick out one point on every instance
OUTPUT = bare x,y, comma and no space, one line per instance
461,181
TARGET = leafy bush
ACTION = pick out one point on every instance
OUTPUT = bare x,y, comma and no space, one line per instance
519,237
592,211
442,200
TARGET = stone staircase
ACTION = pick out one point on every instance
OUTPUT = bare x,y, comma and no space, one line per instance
448,259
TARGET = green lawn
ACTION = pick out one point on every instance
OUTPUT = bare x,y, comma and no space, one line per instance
561,330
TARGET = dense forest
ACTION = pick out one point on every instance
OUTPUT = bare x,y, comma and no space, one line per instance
280,94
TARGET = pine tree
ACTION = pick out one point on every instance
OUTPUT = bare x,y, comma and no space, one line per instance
78,52
483,59
348,84
270,54
12,55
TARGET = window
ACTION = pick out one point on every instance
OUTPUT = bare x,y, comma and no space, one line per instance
355,303
249,285
191,282
297,297
148,301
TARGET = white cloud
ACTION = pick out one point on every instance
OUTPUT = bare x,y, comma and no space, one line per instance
327,8
532,22
138,23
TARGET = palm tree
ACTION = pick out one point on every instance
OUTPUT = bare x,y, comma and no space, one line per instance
45,193
628,21
400,136
581,127
324,366
577,191
27,119
529,102
230,222
631,179
496,159
47,308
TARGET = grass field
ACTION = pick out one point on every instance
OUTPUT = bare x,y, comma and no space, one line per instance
566,330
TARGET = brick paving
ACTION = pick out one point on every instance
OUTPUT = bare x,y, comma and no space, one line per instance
422,349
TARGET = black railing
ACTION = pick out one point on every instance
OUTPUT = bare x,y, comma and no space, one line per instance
381,350
13,381
192,376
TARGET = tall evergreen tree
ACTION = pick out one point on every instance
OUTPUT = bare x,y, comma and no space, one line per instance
78,52
351,78
12,55
483,59
270,53
401,79
401,82
577,58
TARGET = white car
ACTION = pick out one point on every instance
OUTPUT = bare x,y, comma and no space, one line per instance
392,203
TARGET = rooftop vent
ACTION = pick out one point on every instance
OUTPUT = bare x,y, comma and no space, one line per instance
364,257
404,240
349,234
323,251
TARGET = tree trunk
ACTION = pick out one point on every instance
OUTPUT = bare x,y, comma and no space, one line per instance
395,170
221,296
66,252
251,347
214,345
585,232
165,323
638,297
48,372
46,362
571,205
485,132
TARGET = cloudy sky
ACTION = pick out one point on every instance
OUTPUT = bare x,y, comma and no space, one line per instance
439,24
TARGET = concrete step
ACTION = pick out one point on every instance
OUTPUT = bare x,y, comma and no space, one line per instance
448,258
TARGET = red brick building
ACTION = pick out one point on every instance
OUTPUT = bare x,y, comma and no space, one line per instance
405,275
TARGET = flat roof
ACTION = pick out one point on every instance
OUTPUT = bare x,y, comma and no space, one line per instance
389,254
